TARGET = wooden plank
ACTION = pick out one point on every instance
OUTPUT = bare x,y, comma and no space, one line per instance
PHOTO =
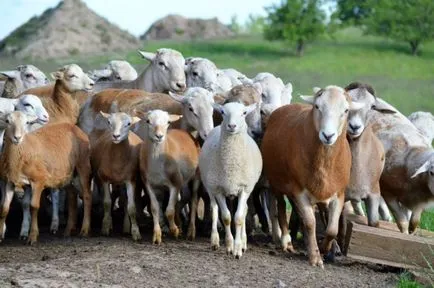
387,225
388,247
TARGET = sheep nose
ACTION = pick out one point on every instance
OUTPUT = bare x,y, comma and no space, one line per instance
91,84
180,85
17,138
159,136
328,137
232,126
354,127
117,136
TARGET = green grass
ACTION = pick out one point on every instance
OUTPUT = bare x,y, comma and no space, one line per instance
405,81
405,281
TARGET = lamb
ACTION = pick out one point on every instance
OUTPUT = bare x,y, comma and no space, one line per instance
164,73
307,157
201,72
19,166
168,159
424,121
21,79
115,160
230,164
115,70
273,90
368,155
407,182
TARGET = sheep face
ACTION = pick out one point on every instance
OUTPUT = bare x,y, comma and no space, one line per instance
18,125
330,112
234,116
158,122
272,88
203,73
22,78
358,119
427,170
119,125
73,78
197,109
168,67
32,105
116,70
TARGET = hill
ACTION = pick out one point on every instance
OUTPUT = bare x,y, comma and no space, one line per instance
177,27
70,28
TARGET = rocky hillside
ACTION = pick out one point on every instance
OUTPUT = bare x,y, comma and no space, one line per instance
68,29
178,27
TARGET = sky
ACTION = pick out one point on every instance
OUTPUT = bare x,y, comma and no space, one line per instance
135,15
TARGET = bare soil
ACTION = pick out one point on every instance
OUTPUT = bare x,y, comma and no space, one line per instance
119,262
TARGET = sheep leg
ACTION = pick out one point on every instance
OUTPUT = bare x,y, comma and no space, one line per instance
415,220
215,238
399,213
240,224
285,240
259,209
25,225
358,209
191,234
126,227
306,212
226,216
335,210
87,203
373,205
55,211
135,232
275,229
155,209
107,224
265,206
71,224
34,209
384,211
5,209
170,211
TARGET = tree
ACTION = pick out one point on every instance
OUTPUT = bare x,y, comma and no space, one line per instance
411,21
299,21
234,25
352,12
254,24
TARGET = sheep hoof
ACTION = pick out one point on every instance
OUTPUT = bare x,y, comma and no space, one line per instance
215,247
23,237
315,260
175,232
191,234
53,231
237,257
84,233
136,234
156,238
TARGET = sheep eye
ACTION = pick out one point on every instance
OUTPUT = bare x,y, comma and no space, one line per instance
7,121
263,95
346,110
72,76
118,77
28,105
431,173
195,74
191,109
262,112
28,122
147,121
161,64
29,75
316,107
129,124
245,113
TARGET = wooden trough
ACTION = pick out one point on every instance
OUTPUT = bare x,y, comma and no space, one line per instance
387,246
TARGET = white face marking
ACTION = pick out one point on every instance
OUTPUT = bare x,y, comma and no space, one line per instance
158,122
119,124
234,117
32,105
75,79
168,66
19,124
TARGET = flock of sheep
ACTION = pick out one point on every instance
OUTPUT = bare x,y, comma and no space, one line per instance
115,138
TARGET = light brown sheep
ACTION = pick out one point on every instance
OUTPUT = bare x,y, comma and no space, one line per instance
307,157
45,158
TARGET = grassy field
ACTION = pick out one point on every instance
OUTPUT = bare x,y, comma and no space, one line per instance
404,80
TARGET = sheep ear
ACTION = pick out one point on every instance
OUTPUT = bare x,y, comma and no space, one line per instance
3,124
105,115
355,106
316,89
288,87
140,114
58,75
383,107
422,169
308,99
135,120
114,107
252,107
174,117
177,97
258,87
147,55
218,108
5,75
219,98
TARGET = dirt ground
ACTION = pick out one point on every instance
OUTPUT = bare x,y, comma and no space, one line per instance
119,262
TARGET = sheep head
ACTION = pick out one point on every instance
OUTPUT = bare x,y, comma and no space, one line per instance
73,78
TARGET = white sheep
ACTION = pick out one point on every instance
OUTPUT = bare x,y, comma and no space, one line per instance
115,70
164,73
230,164
273,90
22,78
202,72
424,121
